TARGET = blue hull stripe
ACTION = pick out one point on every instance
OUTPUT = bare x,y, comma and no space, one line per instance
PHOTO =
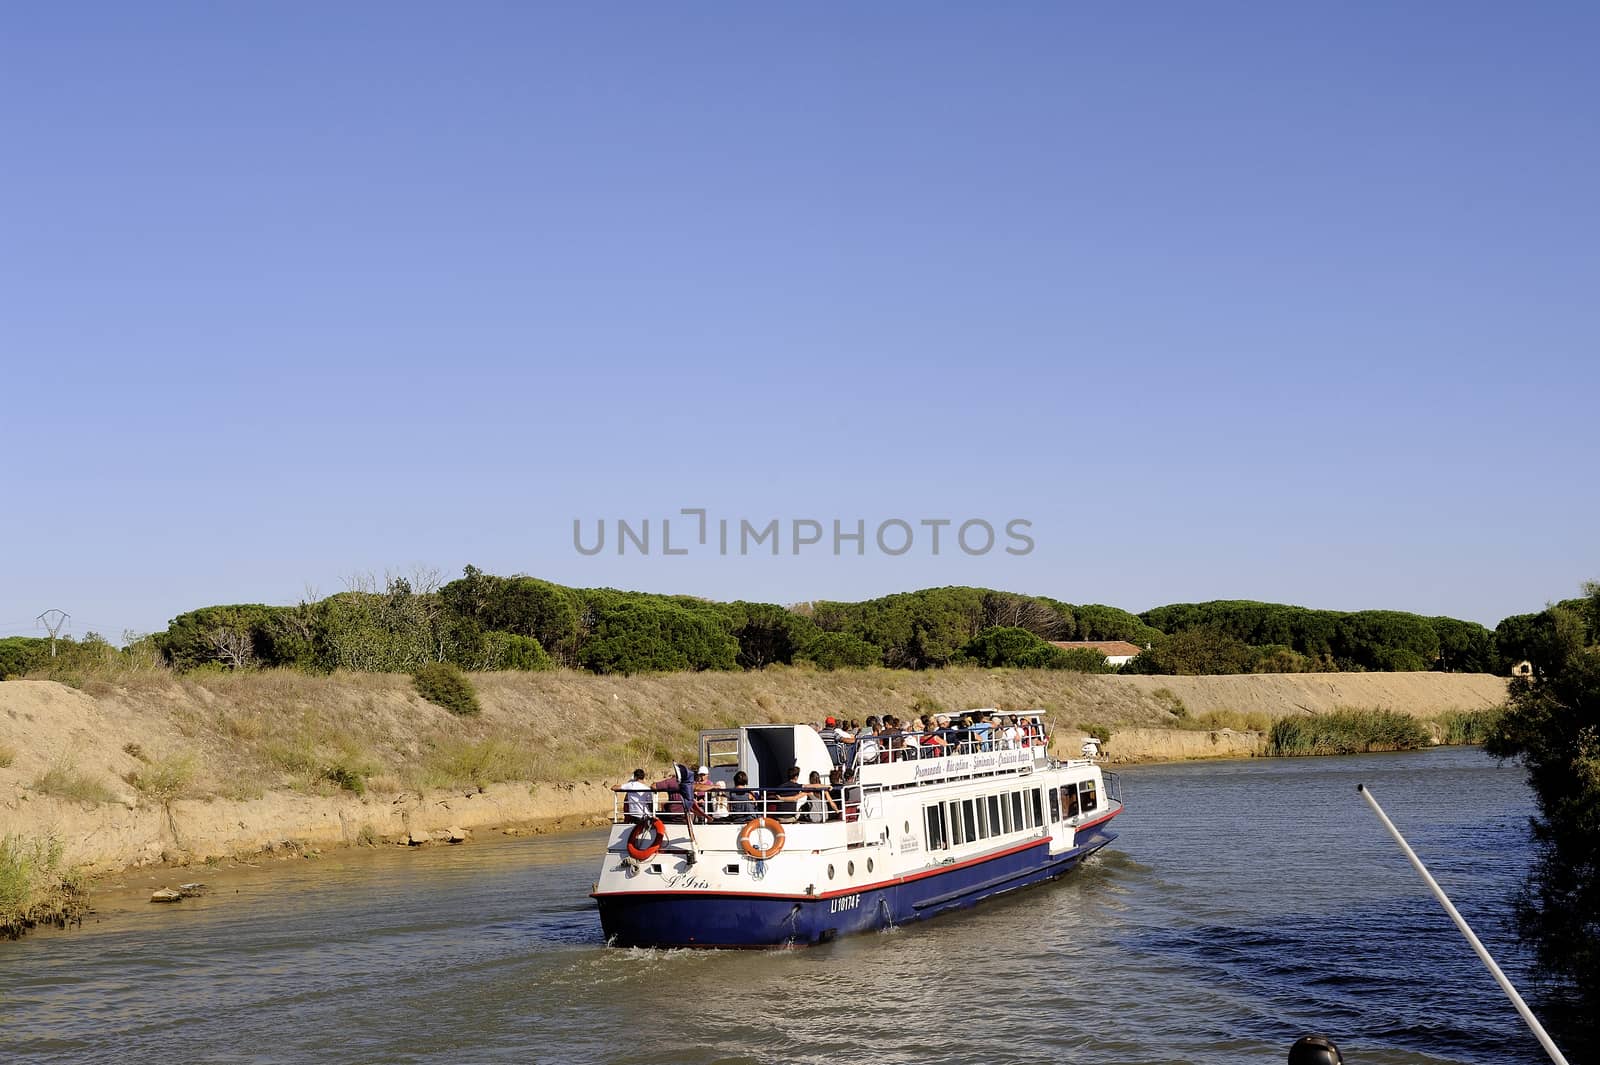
749,920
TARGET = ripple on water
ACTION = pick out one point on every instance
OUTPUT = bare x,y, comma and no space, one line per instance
1244,904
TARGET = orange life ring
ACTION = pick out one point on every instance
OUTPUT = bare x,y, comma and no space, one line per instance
644,854
747,844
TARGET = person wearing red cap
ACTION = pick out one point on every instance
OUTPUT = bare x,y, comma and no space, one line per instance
840,743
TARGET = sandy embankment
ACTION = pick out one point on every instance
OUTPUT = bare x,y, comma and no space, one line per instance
238,728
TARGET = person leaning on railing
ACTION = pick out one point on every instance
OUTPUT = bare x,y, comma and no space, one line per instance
638,801
817,805
742,802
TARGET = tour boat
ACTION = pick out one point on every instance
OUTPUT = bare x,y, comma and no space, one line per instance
910,833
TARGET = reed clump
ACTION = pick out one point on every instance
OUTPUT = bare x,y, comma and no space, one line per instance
36,887
1347,732
1467,727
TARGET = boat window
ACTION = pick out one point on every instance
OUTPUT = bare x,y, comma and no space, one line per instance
983,818
1069,800
1016,811
1038,807
995,828
933,816
1086,796
1055,805
970,820
1005,814
956,836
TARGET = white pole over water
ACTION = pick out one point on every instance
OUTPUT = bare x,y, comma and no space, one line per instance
1466,930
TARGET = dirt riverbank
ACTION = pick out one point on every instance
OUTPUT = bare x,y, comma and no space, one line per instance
149,769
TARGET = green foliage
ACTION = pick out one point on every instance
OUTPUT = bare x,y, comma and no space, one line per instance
1464,646
524,653
522,606
1367,639
36,887
769,635
347,777
442,684
1010,646
20,655
227,634
393,631
1552,724
913,630
1196,652
1346,732
1463,727
474,649
839,650
1098,622
647,635
1276,658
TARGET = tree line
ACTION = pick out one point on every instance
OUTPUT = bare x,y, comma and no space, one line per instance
484,622
1552,726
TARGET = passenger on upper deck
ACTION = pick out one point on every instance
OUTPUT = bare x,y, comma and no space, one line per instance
788,794
638,802
741,802
818,804
868,745
839,741
932,741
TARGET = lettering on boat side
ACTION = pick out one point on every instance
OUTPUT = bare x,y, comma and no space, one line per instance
909,844
844,902
971,763
684,880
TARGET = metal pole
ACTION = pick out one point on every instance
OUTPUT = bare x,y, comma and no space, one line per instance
1466,930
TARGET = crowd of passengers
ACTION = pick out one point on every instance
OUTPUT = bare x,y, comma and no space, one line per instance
851,745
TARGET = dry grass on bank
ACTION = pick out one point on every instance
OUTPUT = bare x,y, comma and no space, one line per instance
150,736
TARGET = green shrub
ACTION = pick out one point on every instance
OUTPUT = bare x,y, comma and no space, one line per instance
348,777
444,685
1347,732
524,653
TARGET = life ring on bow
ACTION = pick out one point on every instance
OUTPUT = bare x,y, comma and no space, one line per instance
748,844
644,854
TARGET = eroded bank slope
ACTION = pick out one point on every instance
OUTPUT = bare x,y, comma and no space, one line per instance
143,768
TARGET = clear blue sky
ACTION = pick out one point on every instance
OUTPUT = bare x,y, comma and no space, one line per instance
1230,301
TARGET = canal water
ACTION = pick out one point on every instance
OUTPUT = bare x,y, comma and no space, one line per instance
1246,903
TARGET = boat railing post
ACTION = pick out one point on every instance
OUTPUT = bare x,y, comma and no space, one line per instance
1465,929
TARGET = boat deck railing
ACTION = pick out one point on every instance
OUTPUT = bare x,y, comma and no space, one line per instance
813,804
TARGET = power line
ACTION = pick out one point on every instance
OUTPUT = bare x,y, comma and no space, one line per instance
54,620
